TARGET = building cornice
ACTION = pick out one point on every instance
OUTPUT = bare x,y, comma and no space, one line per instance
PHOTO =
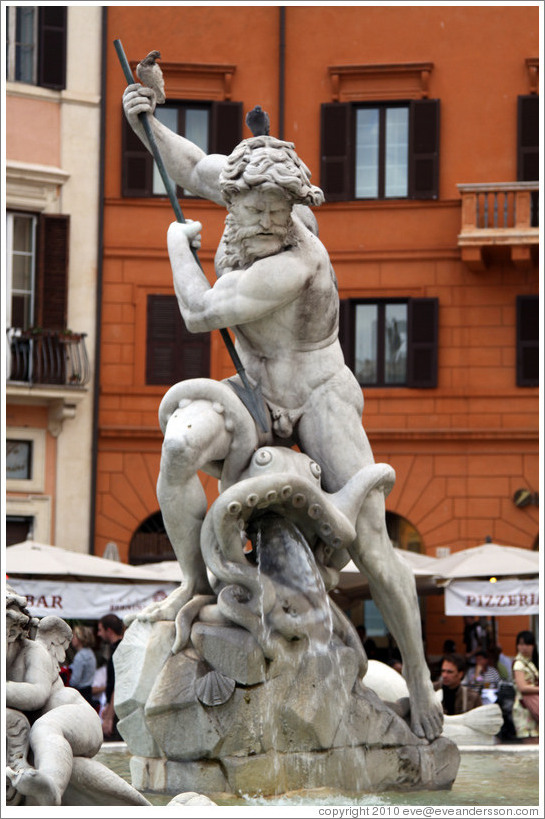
33,187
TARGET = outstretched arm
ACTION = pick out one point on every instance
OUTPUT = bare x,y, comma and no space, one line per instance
184,161
237,297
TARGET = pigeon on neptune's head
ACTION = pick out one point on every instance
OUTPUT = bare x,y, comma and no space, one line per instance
257,121
149,72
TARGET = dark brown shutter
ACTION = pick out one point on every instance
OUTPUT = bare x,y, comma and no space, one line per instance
137,164
422,347
336,171
528,139
346,331
226,127
173,353
528,148
52,22
52,271
424,149
527,341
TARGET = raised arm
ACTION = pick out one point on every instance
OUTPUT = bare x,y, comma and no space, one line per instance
236,297
184,161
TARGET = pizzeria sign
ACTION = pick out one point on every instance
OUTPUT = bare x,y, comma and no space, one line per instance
481,597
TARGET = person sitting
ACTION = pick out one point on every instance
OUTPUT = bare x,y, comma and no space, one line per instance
483,677
457,698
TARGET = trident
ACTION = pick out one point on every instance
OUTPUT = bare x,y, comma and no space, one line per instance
250,396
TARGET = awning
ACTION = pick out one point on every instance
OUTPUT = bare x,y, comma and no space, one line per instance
87,600
482,598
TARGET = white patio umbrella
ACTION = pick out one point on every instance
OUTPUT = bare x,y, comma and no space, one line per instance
488,560
353,583
33,558
73,585
490,580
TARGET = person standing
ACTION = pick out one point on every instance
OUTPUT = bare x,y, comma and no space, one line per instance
526,677
84,664
110,630
457,698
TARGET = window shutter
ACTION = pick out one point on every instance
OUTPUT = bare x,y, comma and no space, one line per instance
528,138
336,172
137,164
173,353
424,149
422,347
226,127
527,341
52,272
346,331
528,148
52,23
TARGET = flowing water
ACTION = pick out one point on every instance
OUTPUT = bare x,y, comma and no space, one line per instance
500,776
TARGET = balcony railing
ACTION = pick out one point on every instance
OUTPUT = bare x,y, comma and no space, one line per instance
501,215
47,357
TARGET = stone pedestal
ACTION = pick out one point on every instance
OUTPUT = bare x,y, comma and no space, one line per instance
218,717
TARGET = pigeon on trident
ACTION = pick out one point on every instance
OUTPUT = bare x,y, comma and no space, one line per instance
150,74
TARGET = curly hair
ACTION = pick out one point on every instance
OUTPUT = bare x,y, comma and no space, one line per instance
270,164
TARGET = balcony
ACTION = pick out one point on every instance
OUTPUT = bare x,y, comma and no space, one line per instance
47,357
498,221
48,368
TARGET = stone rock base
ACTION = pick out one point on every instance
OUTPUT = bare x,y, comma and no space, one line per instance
219,718
348,769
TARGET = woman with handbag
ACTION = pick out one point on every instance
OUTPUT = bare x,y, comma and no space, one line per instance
526,679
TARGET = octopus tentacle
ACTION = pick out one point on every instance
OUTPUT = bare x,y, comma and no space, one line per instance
185,617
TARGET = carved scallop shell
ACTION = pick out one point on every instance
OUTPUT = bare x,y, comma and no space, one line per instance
214,688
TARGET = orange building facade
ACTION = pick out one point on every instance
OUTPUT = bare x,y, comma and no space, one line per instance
420,124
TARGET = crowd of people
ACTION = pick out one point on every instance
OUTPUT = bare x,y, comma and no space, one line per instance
484,674
90,668
468,679
480,673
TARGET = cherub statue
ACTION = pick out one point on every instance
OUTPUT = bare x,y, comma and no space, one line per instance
53,732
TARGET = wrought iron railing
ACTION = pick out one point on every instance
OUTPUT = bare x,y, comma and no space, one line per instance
39,356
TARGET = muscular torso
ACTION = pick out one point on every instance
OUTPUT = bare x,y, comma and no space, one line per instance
294,348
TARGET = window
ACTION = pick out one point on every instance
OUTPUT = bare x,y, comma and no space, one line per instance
36,45
173,353
18,459
150,543
528,341
37,270
390,343
18,529
192,122
216,127
21,269
25,459
380,150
